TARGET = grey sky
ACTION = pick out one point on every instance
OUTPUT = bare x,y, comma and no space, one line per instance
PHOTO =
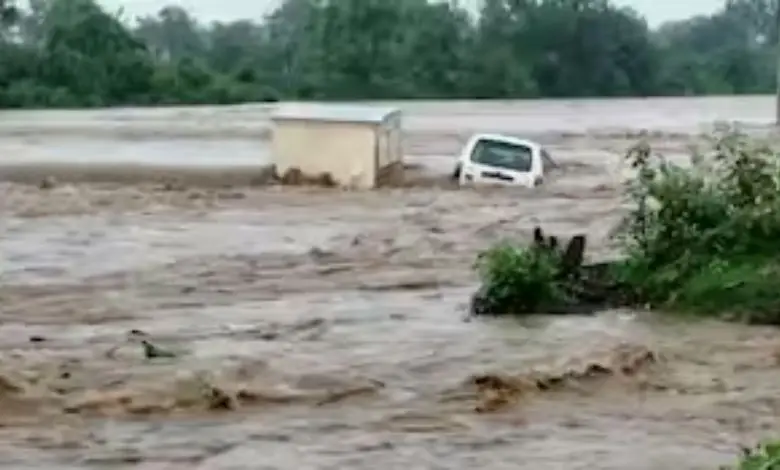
656,11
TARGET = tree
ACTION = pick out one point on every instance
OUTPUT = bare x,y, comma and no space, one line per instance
8,12
74,53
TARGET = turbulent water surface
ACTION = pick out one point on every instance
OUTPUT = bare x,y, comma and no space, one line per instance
324,329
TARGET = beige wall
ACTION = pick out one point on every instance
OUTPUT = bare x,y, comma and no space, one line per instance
344,150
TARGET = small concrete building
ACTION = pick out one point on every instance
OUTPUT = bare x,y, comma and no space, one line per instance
358,146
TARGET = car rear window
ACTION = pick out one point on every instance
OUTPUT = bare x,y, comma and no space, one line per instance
504,155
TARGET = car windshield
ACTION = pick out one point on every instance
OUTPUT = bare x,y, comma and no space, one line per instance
504,155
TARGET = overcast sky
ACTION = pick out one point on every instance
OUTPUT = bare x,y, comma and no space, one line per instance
656,11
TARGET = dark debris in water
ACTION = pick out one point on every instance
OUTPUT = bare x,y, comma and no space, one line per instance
497,391
219,399
48,183
152,351
207,395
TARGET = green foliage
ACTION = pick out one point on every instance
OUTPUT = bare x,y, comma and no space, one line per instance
700,238
8,12
66,53
743,290
763,457
519,278
703,238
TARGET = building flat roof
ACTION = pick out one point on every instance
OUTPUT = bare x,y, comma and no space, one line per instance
332,112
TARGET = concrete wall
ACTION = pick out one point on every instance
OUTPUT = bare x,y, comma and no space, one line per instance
390,170
344,150
395,149
389,143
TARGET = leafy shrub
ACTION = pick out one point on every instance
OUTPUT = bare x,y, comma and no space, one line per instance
763,457
519,279
704,237
699,238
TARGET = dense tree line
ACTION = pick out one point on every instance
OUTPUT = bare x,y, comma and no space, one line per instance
75,53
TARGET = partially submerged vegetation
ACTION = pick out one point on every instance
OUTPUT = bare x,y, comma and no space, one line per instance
700,239
763,457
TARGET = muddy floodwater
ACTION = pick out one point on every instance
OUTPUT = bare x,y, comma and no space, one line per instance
324,329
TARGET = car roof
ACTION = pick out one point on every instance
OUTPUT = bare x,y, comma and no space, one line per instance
507,139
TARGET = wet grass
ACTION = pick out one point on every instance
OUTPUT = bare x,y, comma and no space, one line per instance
741,290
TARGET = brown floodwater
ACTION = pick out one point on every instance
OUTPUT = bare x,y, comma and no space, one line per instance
325,329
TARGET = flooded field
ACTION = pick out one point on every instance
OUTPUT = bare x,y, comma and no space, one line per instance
324,329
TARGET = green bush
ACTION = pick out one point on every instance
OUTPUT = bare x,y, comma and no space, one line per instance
704,238
519,279
763,457
699,239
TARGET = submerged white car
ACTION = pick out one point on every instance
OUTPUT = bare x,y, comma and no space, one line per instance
499,159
